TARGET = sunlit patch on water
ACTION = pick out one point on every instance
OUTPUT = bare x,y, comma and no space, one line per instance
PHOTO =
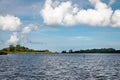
60,67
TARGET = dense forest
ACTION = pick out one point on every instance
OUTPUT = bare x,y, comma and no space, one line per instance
102,50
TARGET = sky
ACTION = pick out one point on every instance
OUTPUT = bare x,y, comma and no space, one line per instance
59,25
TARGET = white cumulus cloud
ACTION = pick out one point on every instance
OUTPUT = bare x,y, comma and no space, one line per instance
9,23
67,13
13,39
116,18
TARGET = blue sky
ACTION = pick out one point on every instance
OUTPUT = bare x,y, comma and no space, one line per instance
58,37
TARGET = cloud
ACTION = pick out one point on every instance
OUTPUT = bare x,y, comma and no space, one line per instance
116,18
9,23
12,24
81,38
111,2
29,28
26,30
33,42
13,39
21,7
65,13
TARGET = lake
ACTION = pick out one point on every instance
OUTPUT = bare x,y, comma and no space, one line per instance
60,67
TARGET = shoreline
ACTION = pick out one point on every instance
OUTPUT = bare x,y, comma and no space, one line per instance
50,53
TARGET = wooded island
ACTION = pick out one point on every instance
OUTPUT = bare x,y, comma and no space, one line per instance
18,49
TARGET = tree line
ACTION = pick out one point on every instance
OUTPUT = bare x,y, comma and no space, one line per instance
102,50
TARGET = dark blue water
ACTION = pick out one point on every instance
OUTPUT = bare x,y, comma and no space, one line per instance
60,67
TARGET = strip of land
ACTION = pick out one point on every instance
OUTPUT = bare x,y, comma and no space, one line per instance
18,49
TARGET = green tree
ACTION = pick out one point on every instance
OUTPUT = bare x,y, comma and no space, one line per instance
18,47
70,51
11,48
63,52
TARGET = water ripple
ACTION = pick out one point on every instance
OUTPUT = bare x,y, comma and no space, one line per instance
60,67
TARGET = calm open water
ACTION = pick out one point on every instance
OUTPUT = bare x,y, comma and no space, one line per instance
60,67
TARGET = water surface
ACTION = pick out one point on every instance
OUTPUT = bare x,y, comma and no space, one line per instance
60,67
